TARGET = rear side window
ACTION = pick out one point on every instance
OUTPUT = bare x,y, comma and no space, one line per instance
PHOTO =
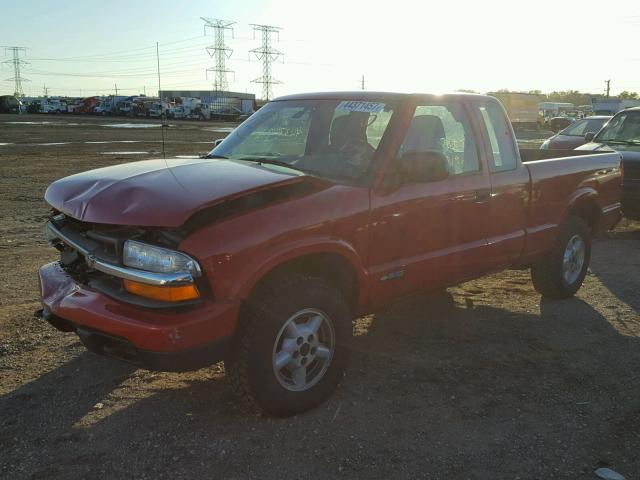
500,138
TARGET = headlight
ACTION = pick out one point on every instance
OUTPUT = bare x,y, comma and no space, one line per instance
157,259
545,145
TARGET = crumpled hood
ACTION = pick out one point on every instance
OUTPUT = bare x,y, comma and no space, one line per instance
158,193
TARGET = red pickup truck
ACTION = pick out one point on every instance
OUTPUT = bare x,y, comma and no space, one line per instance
317,209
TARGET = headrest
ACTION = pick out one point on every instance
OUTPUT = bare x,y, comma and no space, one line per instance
346,127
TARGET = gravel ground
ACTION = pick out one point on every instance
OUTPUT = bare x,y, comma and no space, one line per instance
485,380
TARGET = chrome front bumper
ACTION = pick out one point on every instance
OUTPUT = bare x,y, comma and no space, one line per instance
149,278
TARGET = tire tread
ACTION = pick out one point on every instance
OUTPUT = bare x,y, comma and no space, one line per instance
237,365
546,274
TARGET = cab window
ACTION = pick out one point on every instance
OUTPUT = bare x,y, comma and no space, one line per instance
445,129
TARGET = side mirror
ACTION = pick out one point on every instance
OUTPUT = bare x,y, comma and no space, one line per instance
589,136
217,142
429,166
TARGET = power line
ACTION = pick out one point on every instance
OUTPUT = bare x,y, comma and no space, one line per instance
219,51
267,54
139,70
17,63
105,57
175,51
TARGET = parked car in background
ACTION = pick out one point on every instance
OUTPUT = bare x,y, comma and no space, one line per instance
318,209
9,104
186,107
73,104
105,107
574,135
87,105
33,106
622,134
556,124
53,105
157,108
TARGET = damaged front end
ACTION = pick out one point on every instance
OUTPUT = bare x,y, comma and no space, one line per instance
139,266
133,313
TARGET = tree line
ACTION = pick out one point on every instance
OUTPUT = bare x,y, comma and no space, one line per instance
569,96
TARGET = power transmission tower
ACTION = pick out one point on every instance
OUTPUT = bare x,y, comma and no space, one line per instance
362,83
17,63
608,82
267,54
219,51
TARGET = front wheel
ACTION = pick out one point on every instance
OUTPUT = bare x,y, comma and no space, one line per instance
560,274
292,347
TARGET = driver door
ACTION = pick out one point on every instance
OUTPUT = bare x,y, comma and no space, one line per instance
426,235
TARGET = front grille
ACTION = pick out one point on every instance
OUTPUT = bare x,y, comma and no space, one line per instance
103,245
103,242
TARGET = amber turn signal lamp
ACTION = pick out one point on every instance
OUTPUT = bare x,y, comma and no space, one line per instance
178,293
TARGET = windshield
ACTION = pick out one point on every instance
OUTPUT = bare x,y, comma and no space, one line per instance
336,139
582,127
623,127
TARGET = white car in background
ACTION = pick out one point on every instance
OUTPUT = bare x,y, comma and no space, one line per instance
103,108
52,105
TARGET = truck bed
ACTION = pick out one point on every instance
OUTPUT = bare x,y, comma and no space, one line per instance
559,180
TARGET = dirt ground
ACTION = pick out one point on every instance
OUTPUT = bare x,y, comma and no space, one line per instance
484,381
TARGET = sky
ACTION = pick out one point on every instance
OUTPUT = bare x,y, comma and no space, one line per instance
87,47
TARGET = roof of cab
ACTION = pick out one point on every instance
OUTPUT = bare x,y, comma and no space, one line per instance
370,96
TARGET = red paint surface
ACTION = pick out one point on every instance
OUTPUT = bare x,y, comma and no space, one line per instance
158,193
155,330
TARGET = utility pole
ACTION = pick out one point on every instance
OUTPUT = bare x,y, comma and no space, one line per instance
219,51
17,63
46,91
362,83
116,85
608,82
267,54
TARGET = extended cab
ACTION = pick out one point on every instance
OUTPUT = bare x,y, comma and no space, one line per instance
317,209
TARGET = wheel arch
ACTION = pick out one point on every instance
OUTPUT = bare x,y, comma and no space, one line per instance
585,205
331,263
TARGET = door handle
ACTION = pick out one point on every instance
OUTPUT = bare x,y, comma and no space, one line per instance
483,195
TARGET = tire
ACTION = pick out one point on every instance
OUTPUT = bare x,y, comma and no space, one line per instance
561,272
266,334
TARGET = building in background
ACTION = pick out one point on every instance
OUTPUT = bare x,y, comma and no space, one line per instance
611,106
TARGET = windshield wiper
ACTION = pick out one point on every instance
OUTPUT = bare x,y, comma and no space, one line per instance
270,161
215,156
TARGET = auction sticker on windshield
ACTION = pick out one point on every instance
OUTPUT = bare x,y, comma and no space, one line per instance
358,106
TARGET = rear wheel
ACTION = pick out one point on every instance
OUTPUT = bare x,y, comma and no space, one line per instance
292,347
560,274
